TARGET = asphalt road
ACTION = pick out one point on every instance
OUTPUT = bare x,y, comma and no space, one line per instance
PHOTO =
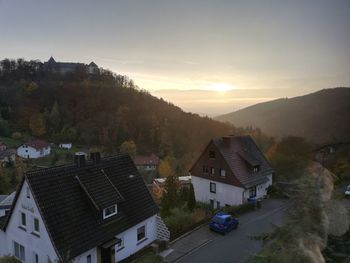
237,246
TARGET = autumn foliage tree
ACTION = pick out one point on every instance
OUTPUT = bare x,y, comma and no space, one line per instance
128,147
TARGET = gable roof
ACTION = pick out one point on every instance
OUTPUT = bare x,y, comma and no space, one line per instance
72,222
37,144
152,159
242,154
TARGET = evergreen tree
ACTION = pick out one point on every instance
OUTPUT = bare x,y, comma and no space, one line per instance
191,203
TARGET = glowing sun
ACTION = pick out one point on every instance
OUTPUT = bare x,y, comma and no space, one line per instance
221,87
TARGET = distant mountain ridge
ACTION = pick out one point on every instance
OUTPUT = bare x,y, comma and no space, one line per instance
322,116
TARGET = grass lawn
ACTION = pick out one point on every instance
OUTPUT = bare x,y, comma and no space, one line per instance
150,257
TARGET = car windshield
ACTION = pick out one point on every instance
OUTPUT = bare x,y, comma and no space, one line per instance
218,220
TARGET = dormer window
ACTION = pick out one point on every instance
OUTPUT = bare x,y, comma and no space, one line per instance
110,211
256,169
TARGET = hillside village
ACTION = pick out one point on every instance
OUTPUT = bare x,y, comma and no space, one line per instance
67,194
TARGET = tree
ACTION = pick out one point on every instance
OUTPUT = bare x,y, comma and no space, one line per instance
128,147
55,117
37,125
191,203
170,197
164,168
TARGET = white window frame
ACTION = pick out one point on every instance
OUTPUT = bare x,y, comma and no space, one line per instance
120,245
212,170
222,172
34,230
28,192
111,214
137,236
210,187
21,221
21,251
35,257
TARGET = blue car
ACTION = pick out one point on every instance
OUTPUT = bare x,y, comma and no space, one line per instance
223,223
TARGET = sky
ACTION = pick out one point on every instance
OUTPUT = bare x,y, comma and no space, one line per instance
209,57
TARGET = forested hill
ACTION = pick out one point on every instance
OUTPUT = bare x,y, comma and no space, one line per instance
322,116
102,109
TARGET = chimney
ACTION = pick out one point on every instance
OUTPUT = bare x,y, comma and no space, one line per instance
95,157
79,159
226,140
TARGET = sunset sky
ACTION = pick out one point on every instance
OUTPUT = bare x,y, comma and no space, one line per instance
210,57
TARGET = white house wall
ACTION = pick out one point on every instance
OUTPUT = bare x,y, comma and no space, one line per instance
129,237
130,243
30,152
261,189
225,193
40,245
83,257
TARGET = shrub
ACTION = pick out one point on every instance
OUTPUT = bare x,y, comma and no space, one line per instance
240,209
17,135
9,259
178,220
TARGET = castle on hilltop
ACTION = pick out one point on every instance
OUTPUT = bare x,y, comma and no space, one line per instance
66,67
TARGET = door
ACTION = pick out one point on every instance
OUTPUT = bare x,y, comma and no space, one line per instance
106,255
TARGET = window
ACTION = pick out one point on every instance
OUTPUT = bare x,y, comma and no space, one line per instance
218,205
212,187
212,154
36,225
222,172
88,259
28,192
212,171
141,233
23,222
256,169
110,211
205,169
252,192
120,245
19,251
35,258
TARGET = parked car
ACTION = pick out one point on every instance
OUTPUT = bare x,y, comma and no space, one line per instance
223,223
347,191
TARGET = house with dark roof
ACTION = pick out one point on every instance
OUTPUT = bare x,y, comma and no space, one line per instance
230,171
96,210
34,149
147,162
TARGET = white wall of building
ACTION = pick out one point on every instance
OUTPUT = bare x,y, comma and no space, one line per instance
83,257
129,238
261,189
129,246
225,193
40,245
65,145
25,151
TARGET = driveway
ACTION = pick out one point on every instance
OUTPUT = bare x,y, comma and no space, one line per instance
202,245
